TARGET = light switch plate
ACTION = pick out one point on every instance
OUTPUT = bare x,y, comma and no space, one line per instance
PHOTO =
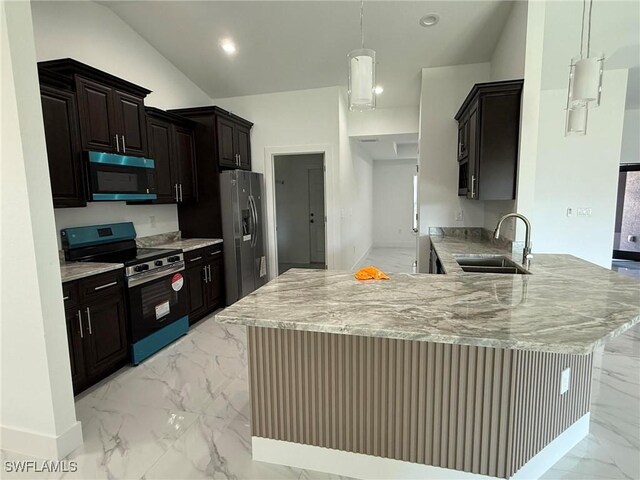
565,378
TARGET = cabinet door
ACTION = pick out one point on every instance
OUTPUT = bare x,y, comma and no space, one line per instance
472,148
197,287
226,143
130,123
62,134
160,150
75,335
185,161
95,109
105,335
215,286
243,146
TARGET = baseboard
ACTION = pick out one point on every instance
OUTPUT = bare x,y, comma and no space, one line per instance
362,257
358,465
40,445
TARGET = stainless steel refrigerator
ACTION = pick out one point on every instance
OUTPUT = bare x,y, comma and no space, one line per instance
245,262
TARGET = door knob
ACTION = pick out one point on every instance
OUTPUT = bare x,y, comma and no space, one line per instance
311,221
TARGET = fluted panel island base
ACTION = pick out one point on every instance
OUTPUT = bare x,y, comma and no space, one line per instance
481,410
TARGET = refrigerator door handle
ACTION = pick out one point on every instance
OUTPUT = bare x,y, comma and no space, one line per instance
253,220
256,221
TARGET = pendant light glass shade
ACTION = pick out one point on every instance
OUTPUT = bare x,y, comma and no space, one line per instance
362,79
585,82
576,121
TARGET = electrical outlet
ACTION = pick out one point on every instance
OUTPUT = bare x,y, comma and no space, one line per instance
584,212
565,378
152,221
569,212
459,216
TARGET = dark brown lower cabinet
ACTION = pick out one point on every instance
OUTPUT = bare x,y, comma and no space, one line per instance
204,275
96,327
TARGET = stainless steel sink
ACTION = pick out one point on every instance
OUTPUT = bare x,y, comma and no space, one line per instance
489,264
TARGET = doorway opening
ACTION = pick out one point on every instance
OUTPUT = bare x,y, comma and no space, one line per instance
300,211
395,201
626,244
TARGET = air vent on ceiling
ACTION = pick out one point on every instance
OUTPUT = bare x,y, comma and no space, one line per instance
368,140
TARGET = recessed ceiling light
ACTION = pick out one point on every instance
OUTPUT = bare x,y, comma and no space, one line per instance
430,20
378,90
228,46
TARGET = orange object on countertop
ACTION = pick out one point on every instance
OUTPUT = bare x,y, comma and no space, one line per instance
371,273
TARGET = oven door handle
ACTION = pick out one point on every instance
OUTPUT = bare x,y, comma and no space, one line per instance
142,278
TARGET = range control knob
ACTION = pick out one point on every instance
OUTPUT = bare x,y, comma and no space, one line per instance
159,263
138,268
145,266
175,258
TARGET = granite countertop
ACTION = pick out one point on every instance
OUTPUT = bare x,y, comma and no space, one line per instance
187,244
567,305
75,270
175,240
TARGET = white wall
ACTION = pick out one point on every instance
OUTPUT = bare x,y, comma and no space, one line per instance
443,91
303,121
292,205
630,152
93,34
579,172
393,203
507,61
37,414
384,121
356,193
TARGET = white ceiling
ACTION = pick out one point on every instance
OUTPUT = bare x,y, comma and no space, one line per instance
294,45
390,147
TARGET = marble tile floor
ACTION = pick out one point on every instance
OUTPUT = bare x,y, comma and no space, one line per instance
283,267
391,259
184,414
628,268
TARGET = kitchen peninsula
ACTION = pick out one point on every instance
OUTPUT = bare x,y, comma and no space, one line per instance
449,376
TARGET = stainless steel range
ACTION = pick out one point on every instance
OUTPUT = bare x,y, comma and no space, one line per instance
157,301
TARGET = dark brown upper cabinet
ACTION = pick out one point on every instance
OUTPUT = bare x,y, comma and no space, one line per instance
110,109
172,147
488,141
234,143
232,135
62,135
222,141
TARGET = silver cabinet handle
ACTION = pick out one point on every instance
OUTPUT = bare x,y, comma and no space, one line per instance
206,277
181,192
106,285
89,320
80,323
215,253
195,259
473,189
124,147
64,299
176,188
117,143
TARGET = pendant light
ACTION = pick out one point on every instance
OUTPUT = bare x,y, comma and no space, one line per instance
585,81
362,74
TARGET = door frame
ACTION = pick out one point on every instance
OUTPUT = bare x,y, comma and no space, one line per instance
332,233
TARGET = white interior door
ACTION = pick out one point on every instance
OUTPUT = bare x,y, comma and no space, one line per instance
316,216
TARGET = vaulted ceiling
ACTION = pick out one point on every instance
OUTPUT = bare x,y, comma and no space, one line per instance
294,45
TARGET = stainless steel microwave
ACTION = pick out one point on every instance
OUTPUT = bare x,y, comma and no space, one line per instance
120,177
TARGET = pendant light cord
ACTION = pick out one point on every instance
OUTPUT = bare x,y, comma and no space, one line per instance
589,30
584,4
362,23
